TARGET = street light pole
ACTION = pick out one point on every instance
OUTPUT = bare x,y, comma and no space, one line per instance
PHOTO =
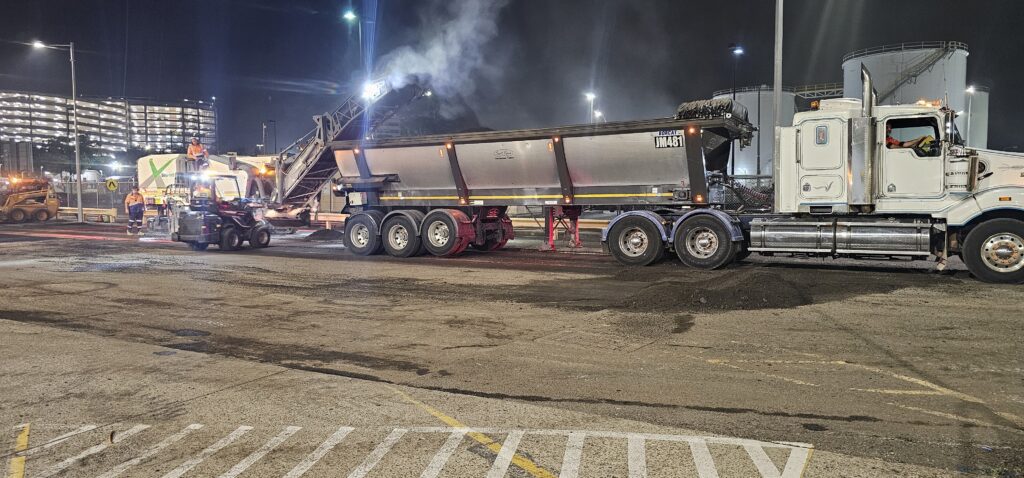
78,152
970,102
736,52
777,87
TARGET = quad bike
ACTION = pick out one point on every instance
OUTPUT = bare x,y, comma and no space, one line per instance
210,218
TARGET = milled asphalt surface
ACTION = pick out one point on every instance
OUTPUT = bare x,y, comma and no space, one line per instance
887,369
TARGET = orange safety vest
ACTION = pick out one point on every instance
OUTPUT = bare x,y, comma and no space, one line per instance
196,150
134,198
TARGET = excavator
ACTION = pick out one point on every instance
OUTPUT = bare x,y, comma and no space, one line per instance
27,199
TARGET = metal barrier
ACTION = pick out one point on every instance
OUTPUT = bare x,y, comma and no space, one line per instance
91,214
95,195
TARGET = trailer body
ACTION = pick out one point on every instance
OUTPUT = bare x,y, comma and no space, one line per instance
853,179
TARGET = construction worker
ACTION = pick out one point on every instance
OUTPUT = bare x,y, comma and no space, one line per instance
197,155
135,206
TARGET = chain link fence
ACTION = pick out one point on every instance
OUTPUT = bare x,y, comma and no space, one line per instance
95,194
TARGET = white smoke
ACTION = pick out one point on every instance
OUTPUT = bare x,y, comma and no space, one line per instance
450,47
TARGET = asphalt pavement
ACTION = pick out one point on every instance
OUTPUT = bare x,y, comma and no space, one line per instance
129,356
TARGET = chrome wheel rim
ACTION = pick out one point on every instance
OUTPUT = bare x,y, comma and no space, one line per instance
701,242
438,234
1003,252
633,242
398,237
359,235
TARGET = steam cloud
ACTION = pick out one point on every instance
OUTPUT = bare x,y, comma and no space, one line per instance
454,31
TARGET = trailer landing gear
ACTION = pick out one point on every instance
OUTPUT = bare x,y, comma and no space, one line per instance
568,217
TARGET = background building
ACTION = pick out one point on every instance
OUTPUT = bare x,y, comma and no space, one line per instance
111,125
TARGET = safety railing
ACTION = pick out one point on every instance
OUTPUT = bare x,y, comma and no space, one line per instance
924,45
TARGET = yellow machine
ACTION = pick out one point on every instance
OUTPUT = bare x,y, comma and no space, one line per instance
28,199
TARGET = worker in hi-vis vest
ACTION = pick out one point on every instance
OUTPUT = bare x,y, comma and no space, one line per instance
197,155
135,206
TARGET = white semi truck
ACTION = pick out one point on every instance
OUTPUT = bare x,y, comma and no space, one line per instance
853,180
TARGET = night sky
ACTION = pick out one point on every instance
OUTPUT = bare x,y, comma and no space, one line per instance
289,59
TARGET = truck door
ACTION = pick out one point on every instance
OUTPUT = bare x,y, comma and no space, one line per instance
821,159
912,163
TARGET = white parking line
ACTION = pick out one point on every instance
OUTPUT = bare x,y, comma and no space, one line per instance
573,454
504,458
118,438
636,456
378,453
260,453
210,450
702,459
443,454
117,470
319,453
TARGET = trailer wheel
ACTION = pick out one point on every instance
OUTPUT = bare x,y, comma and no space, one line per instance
441,235
994,251
399,237
636,241
229,239
41,215
260,237
362,236
18,215
198,246
703,242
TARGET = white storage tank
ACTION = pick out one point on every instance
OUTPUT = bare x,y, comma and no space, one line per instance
975,117
908,72
757,158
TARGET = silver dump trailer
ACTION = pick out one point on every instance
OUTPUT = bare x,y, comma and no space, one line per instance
443,194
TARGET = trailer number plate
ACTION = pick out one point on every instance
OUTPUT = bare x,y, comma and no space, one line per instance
668,139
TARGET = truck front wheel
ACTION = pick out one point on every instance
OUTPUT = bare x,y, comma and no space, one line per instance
703,242
994,251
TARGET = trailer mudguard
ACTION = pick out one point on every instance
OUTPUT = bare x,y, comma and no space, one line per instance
416,217
730,223
649,215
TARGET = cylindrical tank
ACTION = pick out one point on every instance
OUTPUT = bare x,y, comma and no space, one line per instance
908,72
975,117
757,158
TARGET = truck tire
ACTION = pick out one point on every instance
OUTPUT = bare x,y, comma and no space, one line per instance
399,237
361,235
703,242
441,235
41,215
198,246
229,239
17,215
260,237
636,241
994,251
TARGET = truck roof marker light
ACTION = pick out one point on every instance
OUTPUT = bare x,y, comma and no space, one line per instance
692,130
698,198
448,145
556,139
567,199
356,150
462,201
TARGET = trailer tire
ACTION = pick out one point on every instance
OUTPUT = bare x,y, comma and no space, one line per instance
441,235
994,251
636,241
361,235
399,237
260,237
229,239
41,215
18,215
703,242
198,246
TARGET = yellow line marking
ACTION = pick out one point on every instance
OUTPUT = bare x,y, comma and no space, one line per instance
780,377
16,467
958,418
518,460
525,196
419,198
890,391
614,195
923,383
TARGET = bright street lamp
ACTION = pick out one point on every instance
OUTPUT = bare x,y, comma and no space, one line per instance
70,47
351,17
590,96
